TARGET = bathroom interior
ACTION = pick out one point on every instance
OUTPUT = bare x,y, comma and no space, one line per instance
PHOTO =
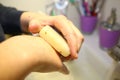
99,56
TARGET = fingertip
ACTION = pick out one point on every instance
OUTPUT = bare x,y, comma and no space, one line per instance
74,56
34,28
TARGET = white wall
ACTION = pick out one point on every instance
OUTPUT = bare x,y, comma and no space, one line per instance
29,5
36,5
107,8
39,5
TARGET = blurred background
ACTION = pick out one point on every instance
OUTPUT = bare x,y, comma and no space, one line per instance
39,5
91,52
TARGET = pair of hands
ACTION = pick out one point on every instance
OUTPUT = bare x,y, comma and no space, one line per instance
72,35
36,21
28,53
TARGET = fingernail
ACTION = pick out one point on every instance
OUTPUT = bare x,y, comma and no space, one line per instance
64,70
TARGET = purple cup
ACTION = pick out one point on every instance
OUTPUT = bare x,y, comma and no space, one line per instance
88,23
108,38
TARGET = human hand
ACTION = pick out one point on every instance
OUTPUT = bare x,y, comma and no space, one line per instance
35,22
21,55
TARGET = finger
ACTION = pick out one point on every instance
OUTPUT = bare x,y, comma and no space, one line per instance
79,36
62,24
73,45
36,25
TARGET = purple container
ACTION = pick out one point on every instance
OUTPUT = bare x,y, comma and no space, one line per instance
108,38
88,23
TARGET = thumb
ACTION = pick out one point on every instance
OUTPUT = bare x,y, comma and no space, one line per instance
34,26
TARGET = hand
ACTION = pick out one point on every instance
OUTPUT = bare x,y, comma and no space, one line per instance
21,55
35,22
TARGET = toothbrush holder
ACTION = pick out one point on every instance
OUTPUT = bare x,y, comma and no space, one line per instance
109,37
88,23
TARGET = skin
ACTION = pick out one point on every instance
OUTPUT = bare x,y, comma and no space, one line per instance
20,55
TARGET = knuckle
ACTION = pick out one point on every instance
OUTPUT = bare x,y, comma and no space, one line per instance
61,17
81,38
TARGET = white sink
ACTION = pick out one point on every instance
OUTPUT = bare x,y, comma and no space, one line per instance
80,69
89,66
